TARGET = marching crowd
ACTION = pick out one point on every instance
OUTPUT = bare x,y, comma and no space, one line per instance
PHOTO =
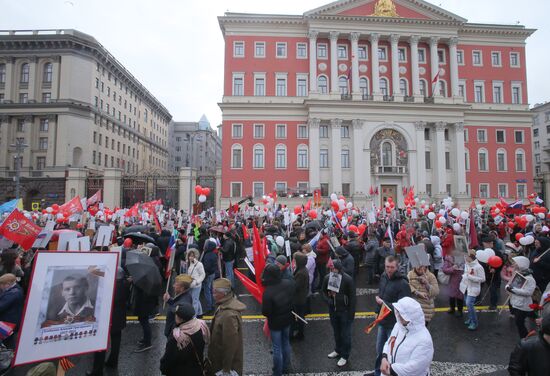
320,258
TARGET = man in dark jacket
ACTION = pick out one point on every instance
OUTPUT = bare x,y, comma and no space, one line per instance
532,355
381,253
163,241
371,259
301,280
354,248
341,307
182,294
229,253
210,264
11,304
277,307
393,286
348,263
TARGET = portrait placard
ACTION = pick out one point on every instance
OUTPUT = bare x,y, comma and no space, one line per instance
461,243
80,244
64,239
68,308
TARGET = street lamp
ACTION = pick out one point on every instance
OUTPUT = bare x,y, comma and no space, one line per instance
19,146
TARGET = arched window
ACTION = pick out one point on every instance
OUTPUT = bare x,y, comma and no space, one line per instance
302,161
343,85
403,87
520,160
423,86
48,72
364,86
442,88
236,156
387,154
501,160
322,84
482,160
467,159
384,86
280,156
2,73
24,77
258,156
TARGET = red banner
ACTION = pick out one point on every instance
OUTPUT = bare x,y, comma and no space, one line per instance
94,199
72,207
317,197
133,211
252,287
19,229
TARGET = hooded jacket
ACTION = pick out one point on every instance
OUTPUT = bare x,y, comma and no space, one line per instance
390,291
322,250
301,279
354,248
348,263
473,277
437,256
521,297
277,298
196,269
163,241
209,258
409,350
344,299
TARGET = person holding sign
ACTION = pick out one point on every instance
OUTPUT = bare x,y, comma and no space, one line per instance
520,297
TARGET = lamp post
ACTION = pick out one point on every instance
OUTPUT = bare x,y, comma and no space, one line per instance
19,146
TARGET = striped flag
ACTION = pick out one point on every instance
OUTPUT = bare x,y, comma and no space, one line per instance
6,329
384,312
435,83
389,234
171,253
66,364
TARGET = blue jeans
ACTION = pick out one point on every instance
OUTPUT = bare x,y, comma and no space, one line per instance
381,338
280,341
472,316
341,326
207,288
229,272
195,294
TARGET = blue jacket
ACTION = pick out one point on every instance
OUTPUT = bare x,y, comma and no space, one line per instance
210,262
11,304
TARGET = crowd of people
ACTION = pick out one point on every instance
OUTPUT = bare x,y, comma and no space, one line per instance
320,257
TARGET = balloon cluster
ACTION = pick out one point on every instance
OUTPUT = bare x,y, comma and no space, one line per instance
341,209
410,201
269,200
202,192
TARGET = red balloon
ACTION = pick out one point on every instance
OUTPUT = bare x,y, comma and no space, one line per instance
312,214
482,201
495,262
59,220
354,229
519,235
198,189
409,211
297,209
339,215
511,224
206,191
438,224
362,228
335,205
79,225
55,207
127,243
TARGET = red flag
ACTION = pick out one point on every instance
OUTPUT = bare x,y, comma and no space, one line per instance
384,312
307,207
371,191
259,256
19,229
473,234
94,199
133,211
71,207
252,287
157,224
66,364
245,232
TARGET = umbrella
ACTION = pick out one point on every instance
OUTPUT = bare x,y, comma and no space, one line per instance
145,273
56,233
314,224
138,237
136,228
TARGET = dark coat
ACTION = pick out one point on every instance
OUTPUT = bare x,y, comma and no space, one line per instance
171,303
229,250
118,318
277,298
530,357
390,291
301,280
344,300
176,362
348,263
11,304
210,262
356,251
145,304
541,269
163,241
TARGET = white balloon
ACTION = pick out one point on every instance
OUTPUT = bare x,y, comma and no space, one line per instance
541,215
202,198
59,215
423,202
280,241
49,209
530,218
344,222
333,197
341,204
464,215
457,227
442,211
529,239
455,212
443,220
523,241
387,204
481,256
99,213
431,215
349,205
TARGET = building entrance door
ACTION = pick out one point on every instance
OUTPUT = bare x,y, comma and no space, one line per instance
387,191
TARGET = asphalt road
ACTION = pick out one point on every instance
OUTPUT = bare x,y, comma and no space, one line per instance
457,350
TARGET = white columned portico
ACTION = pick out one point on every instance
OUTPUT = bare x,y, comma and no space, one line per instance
394,39
314,167
375,78
334,62
312,35
361,162
453,42
336,150
440,173
354,38
434,61
460,159
415,76
420,157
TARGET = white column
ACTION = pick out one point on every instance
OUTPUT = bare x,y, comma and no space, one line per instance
440,173
354,38
453,42
56,77
314,168
33,78
394,39
361,162
334,62
459,160
4,144
375,77
10,79
414,65
420,157
336,150
434,60
313,60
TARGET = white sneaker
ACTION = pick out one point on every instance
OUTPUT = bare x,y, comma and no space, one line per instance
342,362
333,355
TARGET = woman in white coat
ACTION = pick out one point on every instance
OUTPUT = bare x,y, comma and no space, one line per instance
521,297
470,286
409,350
196,270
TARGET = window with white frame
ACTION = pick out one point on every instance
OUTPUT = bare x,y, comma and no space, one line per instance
503,190
402,54
280,187
47,73
43,143
280,156
467,160
384,86
258,156
482,160
323,131
301,85
482,135
422,55
323,158
280,131
441,58
24,74
442,88
501,160
501,136
468,189
423,86
236,189
521,190
462,89
238,49
460,57
466,135
237,131
343,85
496,60
342,51
403,87
479,92
537,158
516,93
518,137
258,189
258,131
382,53
280,49
302,131
236,156
302,161
520,160
280,85
362,52
259,49
259,84
344,131
238,84
477,58
344,158
322,50
514,59
536,145
301,50
322,84
497,92
364,86
303,186
484,191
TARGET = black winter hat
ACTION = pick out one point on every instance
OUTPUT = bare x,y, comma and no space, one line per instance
184,311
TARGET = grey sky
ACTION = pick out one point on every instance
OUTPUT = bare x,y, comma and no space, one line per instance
175,47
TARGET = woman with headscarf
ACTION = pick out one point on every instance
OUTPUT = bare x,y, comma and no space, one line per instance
540,262
184,354
196,270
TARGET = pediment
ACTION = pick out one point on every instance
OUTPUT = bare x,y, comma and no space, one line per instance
415,9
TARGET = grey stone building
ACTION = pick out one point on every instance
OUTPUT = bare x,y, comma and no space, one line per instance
541,149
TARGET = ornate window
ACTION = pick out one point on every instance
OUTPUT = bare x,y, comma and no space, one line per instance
25,69
48,73
258,156
322,84
387,153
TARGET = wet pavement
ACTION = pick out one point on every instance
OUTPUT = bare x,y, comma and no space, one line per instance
457,350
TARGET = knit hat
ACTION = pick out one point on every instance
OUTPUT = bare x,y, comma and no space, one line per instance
522,262
184,311
281,259
209,246
222,283
341,251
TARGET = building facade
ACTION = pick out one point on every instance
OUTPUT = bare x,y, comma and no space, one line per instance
74,106
541,148
364,96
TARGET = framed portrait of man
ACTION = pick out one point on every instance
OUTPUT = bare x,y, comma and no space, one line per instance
68,307
461,243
